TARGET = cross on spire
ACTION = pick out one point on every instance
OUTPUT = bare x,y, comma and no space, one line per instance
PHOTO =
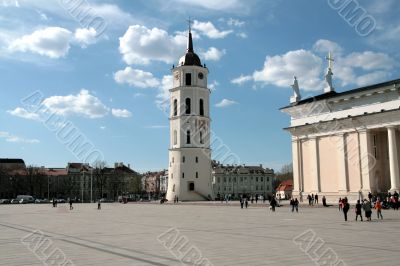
190,23
330,60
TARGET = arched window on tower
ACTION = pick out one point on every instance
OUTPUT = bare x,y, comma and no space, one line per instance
175,137
188,108
201,137
188,79
175,107
201,107
188,137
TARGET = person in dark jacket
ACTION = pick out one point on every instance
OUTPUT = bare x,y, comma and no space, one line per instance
346,207
358,210
241,202
273,203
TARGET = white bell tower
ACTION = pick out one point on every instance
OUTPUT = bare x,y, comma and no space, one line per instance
189,172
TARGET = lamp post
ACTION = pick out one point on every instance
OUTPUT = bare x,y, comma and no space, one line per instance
91,184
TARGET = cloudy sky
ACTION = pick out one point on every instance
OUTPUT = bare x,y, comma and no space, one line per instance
102,70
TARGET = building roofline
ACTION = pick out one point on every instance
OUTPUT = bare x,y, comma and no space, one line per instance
333,94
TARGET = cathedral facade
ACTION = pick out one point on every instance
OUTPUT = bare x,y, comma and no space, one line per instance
346,144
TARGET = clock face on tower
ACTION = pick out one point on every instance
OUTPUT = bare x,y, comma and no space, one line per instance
200,75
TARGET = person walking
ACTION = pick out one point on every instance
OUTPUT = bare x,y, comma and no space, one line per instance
309,199
292,204
99,205
340,204
378,208
296,205
246,202
367,209
324,201
70,205
241,202
316,198
273,203
358,210
346,207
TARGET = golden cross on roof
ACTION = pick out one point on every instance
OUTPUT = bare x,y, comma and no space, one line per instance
330,60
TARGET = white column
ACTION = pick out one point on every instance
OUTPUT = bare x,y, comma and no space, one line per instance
393,159
315,165
342,163
296,165
367,160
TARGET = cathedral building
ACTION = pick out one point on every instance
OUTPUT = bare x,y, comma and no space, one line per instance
189,172
346,144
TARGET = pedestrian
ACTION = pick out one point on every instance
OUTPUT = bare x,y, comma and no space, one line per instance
309,199
99,205
340,204
246,203
273,203
370,197
54,202
324,201
367,209
70,204
252,199
296,205
346,207
378,208
292,204
177,200
312,199
241,202
256,198
358,210
316,198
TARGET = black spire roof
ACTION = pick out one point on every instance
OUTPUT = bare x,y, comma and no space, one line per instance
190,58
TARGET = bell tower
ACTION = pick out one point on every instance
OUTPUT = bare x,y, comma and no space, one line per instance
189,171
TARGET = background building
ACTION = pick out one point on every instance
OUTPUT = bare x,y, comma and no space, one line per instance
242,180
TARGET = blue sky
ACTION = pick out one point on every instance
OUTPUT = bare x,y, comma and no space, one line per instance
108,74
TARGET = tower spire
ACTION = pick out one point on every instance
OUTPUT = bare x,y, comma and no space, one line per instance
190,41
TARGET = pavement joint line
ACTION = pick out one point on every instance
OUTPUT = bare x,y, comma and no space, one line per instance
46,234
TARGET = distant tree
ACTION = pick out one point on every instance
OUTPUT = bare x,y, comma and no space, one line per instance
100,176
285,173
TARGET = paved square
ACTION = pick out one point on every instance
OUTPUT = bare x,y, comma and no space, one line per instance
225,235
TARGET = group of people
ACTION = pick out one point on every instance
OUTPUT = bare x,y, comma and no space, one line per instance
365,205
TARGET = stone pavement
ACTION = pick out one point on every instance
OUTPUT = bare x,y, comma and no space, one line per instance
153,234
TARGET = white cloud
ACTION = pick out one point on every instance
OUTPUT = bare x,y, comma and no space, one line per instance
359,68
102,127
369,60
23,113
213,85
156,126
83,104
53,42
235,22
241,79
226,5
136,78
280,69
85,36
123,113
162,100
13,138
242,35
213,54
140,45
208,29
326,46
225,103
